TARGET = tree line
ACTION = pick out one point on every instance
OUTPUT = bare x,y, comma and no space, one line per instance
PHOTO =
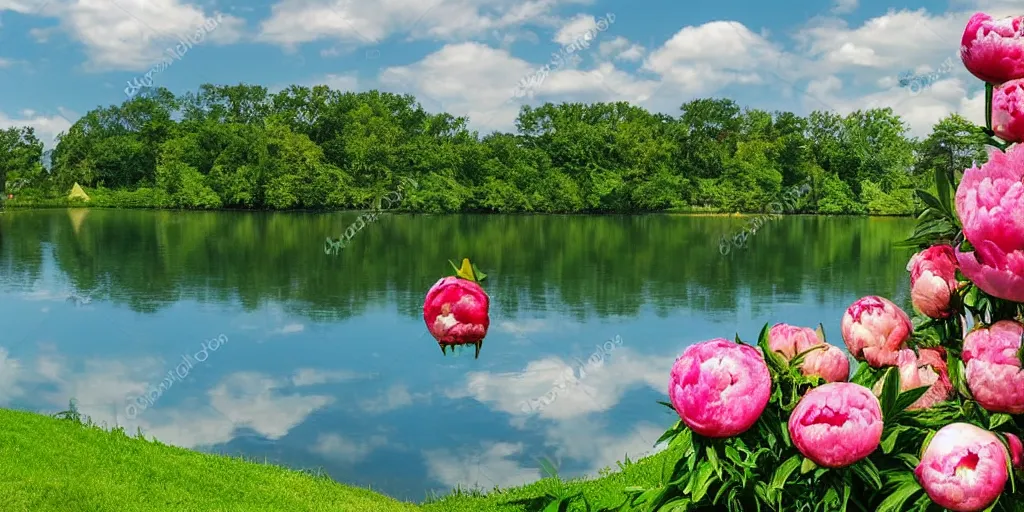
317,148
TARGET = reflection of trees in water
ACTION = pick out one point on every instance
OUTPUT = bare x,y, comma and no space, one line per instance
583,266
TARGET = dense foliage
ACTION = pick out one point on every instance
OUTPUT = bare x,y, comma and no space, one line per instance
241,147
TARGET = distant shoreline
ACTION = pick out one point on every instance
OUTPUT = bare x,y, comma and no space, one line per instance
671,212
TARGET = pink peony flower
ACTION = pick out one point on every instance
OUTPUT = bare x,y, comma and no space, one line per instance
928,368
829,363
963,468
790,340
1008,111
989,202
875,329
455,311
994,372
836,424
933,280
719,388
993,50
1016,450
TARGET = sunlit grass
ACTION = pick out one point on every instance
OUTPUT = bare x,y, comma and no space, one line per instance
54,465
65,463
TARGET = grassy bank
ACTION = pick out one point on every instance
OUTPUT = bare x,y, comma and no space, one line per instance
61,465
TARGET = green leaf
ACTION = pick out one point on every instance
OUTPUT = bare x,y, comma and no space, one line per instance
683,441
466,272
807,466
734,455
931,201
783,472
716,464
1020,351
998,419
865,375
831,497
923,503
942,185
556,506
894,502
846,498
908,397
927,441
701,482
889,438
972,295
989,90
774,360
868,472
955,368
667,404
722,489
890,390
676,505
908,459
480,276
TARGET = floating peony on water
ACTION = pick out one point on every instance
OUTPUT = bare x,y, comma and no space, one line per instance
456,309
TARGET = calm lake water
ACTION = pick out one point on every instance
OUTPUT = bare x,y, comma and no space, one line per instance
328,364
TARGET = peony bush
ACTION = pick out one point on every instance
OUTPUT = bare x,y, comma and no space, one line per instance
932,416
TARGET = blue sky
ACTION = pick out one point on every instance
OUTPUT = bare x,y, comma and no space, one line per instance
61,58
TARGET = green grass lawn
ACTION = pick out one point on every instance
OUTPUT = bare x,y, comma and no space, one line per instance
54,465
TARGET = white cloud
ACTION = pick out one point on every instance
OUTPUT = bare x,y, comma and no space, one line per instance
492,465
883,43
395,397
575,29
621,48
601,389
22,6
701,60
471,79
856,68
10,374
291,328
464,79
582,439
335,447
344,82
314,377
135,34
5,63
502,464
44,294
253,400
845,6
525,326
102,389
46,127
294,22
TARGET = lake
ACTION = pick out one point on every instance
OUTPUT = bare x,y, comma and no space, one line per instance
323,361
